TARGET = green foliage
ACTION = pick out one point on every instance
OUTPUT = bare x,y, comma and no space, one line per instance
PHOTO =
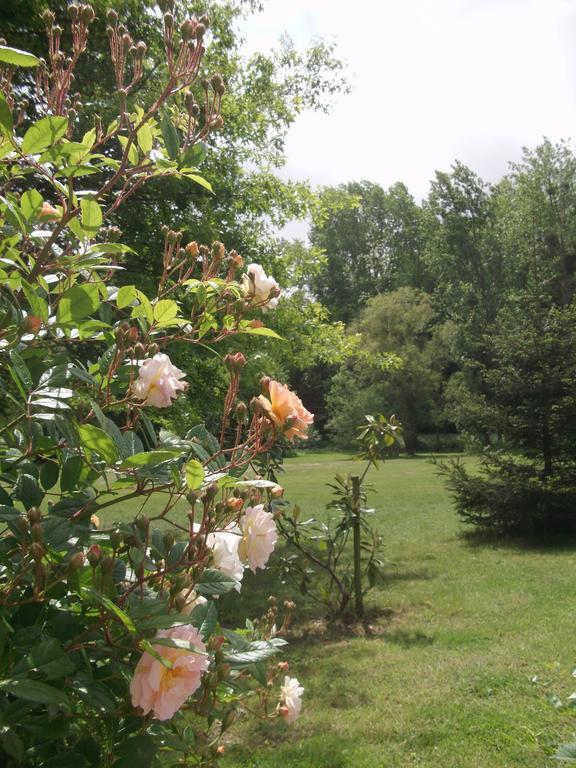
338,558
401,324
81,605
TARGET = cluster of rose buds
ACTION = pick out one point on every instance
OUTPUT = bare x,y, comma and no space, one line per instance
123,47
184,57
53,82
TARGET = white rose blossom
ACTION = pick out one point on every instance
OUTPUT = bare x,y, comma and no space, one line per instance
224,546
158,382
259,286
291,698
259,537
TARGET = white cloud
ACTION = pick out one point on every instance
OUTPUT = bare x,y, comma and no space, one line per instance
434,81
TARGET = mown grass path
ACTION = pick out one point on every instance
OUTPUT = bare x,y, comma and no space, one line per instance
468,644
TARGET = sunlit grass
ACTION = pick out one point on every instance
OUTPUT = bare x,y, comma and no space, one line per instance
463,648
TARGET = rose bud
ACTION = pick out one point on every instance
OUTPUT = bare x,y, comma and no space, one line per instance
93,555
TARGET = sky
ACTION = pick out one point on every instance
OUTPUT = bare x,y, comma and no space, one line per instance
433,81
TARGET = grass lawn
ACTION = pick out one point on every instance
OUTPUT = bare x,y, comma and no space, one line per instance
467,645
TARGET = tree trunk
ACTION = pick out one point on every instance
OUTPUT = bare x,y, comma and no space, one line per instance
410,440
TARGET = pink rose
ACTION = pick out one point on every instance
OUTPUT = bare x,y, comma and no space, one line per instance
285,410
259,537
162,690
158,382
291,699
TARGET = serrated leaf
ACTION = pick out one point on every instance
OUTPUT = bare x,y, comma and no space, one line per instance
194,474
91,216
44,133
205,618
165,310
214,582
126,295
29,491
78,302
95,439
254,652
31,204
71,473
49,473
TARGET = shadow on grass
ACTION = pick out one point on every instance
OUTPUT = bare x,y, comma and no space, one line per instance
521,542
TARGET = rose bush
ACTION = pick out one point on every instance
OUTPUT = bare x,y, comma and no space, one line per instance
111,649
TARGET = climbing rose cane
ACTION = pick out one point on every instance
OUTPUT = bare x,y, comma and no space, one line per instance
259,537
158,382
163,690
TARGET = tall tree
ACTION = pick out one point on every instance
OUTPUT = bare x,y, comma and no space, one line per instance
372,240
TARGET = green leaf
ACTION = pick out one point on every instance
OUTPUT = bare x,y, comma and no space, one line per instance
200,180
18,58
260,332
91,216
21,369
9,514
97,440
78,302
259,650
145,308
71,473
133,156
165,310
109,248
50,659
194,155
44,133
6,121
149,459
11,743
94,694
38,305
214,582
145,138
30,204
126,295
205,618
170,136
49,475
194,474
138,751
29,491
111,607
34,690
